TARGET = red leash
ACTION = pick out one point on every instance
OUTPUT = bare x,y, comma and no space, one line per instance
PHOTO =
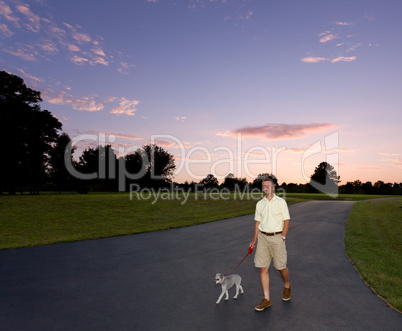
250,250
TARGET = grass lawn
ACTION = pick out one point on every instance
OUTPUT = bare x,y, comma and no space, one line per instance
373,241
27,220
46,219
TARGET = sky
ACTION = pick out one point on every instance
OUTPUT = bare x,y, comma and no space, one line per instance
225,86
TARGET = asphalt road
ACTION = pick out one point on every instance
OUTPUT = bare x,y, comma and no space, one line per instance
165,281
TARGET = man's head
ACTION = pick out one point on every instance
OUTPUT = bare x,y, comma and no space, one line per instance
268,186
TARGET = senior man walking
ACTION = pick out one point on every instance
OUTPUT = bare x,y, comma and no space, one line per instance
271,227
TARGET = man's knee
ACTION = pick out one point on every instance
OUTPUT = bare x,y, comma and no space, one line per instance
264,270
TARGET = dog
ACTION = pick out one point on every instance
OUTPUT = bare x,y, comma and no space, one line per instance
227,283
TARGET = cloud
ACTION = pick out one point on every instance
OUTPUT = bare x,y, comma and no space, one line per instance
124,67
49,47
73,48
327,36
87,103
397,163
27,76
314,59
277,131
25,52
247,16
5,31
368,168
125,136
109,135
393,162
303,150
180,118
33,21
122,105
79,60
344,59
343,23
390,154
81,38
117,105
7,13
68,40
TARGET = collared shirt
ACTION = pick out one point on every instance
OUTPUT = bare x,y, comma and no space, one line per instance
271,214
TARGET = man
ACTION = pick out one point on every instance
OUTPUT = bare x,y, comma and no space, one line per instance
271,227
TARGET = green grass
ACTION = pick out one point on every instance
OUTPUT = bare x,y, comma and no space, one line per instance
373,241
47,219
50,218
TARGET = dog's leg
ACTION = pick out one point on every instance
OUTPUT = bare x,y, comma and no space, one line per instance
227,295
220,297
241,289
237,291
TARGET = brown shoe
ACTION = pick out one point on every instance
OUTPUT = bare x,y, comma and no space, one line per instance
264,304
287,293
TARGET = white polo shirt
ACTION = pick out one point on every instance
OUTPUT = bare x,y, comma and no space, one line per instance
271,214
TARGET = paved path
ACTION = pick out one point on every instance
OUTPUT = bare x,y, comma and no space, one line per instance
164,281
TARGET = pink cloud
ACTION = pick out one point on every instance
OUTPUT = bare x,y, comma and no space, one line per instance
26,53
122,105
327,36
276,131
5,31
314,59
344,59
33,23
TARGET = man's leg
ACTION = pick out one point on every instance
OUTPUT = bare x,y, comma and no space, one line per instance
264,275
285,277
265,302
287,291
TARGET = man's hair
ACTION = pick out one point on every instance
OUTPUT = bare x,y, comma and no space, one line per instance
268,179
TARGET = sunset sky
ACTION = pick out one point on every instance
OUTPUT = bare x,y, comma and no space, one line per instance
241,86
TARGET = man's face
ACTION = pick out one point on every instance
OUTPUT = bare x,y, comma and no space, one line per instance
267,187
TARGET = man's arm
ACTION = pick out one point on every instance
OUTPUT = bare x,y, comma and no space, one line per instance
285,228
256,231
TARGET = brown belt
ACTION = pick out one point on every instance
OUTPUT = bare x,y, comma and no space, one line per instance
270,233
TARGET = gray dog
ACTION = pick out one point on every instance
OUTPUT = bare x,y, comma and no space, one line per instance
227,283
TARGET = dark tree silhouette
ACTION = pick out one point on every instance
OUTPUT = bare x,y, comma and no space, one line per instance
26,135
101,162
148,166
58,171
324,175
210,181
231,182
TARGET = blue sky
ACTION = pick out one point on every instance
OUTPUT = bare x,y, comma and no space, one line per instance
218,83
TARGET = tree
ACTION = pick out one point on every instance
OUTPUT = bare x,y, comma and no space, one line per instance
100,161
231,182
324,179
210,181
160,165
148,166
26,135
58,171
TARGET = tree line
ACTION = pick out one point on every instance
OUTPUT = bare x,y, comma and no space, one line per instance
35,150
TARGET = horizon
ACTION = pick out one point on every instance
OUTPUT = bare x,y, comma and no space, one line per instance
242,87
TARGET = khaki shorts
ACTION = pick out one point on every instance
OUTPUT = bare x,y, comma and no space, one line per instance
268,248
